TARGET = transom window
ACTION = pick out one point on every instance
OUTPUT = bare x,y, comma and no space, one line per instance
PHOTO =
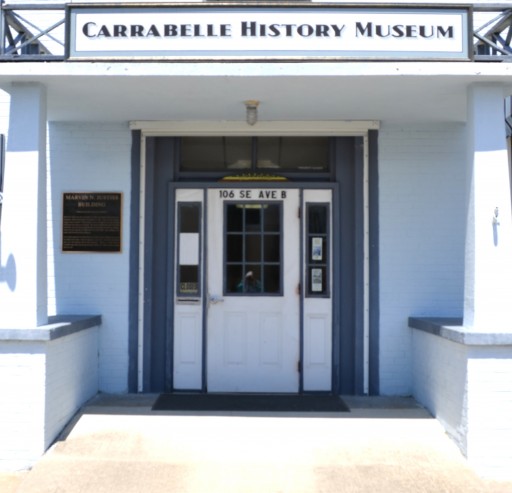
253,248
254,154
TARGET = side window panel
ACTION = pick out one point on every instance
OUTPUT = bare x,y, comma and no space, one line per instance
317,241
189,248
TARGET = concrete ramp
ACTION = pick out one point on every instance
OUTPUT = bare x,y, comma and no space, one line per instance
117,444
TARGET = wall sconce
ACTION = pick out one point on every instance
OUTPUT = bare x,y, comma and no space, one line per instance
251,106
495,218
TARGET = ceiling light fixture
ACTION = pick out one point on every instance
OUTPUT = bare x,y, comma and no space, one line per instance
251,106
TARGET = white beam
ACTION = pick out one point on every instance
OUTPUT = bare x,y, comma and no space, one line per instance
23,259
261,128
488,260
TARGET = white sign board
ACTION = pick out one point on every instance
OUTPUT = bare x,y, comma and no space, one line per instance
263,33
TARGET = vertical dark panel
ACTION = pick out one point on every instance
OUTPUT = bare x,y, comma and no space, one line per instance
133,327
345,176
373,176
158,216
336,292
350,177
301,297
148,262
359,266
167,288
159,172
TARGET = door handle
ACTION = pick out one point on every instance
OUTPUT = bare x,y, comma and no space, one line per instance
215,298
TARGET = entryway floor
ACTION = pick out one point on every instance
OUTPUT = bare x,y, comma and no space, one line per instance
116,444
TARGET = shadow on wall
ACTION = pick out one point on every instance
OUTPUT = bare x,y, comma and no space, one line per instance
8,271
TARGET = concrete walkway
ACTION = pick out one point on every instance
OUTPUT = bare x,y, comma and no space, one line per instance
118,445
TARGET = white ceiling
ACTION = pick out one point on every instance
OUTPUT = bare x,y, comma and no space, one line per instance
386,91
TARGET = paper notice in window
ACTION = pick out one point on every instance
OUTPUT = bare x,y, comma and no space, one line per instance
189,249
316,280
316,249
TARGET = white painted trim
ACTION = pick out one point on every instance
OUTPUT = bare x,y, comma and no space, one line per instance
140,320
281,128
50,74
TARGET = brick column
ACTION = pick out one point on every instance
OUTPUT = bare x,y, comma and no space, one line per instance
488,262
23,284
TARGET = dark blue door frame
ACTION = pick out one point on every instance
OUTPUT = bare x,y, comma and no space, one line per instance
348,263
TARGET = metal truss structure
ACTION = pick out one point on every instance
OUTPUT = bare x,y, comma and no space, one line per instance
491,41
30,32
36,32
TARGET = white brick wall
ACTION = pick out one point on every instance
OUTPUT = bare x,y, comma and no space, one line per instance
92,157
490,410
469,390
43,386
422,224
22,373
440,381
67,390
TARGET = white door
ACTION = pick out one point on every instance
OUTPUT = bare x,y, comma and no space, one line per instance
253,274
318,289
189,291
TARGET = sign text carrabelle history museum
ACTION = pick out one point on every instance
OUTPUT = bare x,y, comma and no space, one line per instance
351,33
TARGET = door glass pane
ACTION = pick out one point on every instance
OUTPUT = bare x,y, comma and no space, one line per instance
317,219
251,281
189,218
235,219
272,278
252,255
253,248
271,218
234,248
272,247
253,217
233,277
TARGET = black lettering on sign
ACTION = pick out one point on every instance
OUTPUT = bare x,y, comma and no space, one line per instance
402,31
253,29
87,29
248,194
268,194
226,194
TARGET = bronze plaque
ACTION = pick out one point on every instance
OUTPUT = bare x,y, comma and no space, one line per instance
91,222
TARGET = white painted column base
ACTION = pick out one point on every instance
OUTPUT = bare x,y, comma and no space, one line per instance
47,373
463,378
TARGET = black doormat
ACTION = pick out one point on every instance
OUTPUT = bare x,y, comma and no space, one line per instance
250,402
